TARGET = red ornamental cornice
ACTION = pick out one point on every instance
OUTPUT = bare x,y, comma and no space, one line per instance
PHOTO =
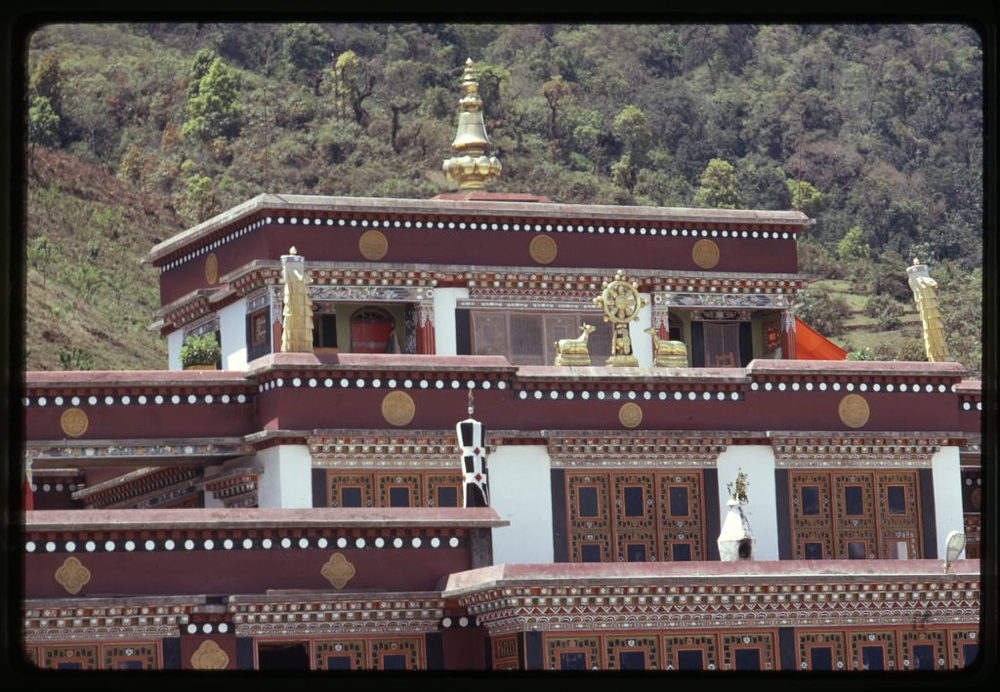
331,213
104,619
775,595
140,487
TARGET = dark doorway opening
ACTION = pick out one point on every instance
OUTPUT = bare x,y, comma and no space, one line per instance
290,656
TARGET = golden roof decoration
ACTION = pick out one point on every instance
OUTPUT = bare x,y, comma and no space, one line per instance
473,165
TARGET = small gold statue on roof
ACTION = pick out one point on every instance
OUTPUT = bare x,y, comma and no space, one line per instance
621,303
473,165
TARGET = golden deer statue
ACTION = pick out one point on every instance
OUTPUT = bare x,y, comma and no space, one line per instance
574,351
670,354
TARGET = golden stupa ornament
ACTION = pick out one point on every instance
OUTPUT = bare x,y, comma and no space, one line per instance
472,165
621,303
925,293
297,324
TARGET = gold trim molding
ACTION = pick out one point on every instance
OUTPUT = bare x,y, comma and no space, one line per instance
338,571
72,575
74,422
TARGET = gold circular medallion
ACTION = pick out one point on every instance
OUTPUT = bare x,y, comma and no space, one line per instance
74,422
398,408
977,498
543,249
211,268
630,415
705,254
854,411
373,245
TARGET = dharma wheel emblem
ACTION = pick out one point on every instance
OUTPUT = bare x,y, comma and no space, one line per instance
630,415
373,245
543,249
854,411
398,408
74,422
621,302
211,268
705,254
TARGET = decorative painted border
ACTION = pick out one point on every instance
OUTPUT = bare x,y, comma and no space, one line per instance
262,539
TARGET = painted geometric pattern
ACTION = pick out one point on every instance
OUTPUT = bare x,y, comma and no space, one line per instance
833,641
144,656
621,650
855,514
504,651
654,516
411,648
923,647
379,489
874,650
761,642
70,656
562,651
675,645
343,654
964,644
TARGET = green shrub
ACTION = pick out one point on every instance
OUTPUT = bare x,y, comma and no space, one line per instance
200,350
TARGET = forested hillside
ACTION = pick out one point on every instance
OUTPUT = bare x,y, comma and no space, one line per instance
875,131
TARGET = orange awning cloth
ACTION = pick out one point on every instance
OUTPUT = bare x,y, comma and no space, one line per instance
811,345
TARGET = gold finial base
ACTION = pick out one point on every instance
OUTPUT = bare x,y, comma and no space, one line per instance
622,362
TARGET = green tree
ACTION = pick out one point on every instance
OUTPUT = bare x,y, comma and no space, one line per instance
200,197
718,187
47,81
43,124
822,311
556,91
215,110
351,87
805,198
853,248
305,51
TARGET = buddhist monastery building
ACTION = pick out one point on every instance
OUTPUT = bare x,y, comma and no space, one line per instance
728,494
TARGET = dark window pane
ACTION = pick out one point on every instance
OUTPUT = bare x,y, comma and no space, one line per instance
856,551
590,553
350,497
635,552
897,499
678,501
853,500
680,552
587,501
69,665
128,665
814,551
325,331
399,497
447,496
632,660
635,505
821,658
747,659
576,660
970,652
923,657
338,663
810,501
872,658
394,662
690,660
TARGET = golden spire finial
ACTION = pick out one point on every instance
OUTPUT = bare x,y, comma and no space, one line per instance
472,165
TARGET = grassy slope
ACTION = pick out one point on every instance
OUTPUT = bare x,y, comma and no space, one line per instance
92,293
862,331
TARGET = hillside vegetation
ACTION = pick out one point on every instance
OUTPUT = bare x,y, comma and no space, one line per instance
874,131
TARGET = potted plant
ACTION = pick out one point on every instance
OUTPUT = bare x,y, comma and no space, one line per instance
736,541
200,352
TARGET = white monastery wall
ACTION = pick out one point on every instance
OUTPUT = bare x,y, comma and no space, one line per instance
287,478
175,340
757,462
232,326
445,301
521,492
948,515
